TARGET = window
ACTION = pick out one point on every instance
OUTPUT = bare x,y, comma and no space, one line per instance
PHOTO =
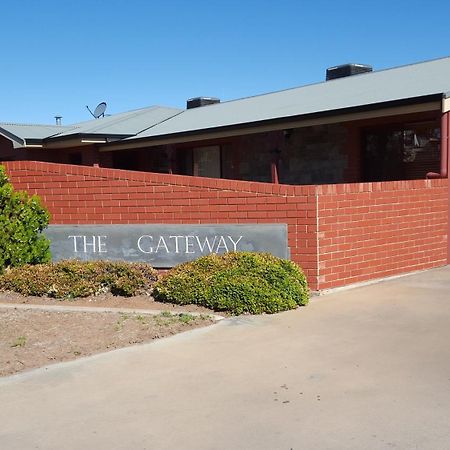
402,152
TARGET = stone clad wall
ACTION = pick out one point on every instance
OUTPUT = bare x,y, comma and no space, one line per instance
339,234
314,155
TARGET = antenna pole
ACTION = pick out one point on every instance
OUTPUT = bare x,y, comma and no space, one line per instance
92,114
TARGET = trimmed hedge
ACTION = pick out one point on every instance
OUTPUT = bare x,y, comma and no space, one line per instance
22,219
240,282
70,279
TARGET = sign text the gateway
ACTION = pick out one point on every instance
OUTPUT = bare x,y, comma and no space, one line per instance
163,245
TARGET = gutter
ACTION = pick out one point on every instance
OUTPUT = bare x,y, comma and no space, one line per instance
79,139
391,108
32,143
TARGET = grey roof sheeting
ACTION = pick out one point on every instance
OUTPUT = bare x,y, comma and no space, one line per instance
128,123
430,78
390,85
23,132
124,124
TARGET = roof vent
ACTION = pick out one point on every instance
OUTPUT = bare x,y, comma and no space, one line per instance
346,70
196,102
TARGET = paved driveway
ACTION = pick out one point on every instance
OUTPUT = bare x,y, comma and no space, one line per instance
367,368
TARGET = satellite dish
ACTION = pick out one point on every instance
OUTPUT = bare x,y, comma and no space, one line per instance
99,111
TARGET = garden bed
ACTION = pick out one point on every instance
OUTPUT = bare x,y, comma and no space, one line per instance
31,338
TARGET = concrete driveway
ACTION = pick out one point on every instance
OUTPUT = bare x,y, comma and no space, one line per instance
366,368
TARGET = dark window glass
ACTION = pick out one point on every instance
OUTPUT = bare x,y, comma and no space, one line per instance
125,160
75,158
404,152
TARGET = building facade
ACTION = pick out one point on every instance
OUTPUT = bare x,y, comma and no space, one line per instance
356,167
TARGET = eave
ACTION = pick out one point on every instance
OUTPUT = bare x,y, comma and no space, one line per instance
82,139
399,107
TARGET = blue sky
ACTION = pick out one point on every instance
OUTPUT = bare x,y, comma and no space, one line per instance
58,56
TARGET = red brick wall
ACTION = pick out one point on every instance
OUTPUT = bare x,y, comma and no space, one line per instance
373,230
82,195
339,234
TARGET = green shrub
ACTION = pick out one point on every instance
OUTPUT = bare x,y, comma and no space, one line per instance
22,219
71,279
241,282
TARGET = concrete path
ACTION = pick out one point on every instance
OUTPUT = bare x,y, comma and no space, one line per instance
367,368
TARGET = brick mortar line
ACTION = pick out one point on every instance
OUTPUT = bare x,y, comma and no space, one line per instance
143,179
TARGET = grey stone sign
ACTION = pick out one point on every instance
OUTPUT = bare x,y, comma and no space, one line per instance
164,245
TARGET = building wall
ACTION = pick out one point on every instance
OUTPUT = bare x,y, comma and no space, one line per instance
86,155
310,155
339,234
6,149
320,154
315,155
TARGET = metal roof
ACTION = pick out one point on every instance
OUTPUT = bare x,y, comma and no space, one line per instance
22,132
128,123
370,90
120,125
373,88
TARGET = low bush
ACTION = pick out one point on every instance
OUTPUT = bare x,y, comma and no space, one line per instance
22,219
241,282
70,279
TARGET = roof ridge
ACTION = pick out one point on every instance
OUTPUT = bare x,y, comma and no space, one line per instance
128,123
127,115
160,122
34,125
326,81
131,111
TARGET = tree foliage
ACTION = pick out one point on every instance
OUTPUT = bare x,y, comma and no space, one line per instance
22,219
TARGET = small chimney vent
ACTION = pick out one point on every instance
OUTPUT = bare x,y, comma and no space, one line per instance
347,70
197,102
58,120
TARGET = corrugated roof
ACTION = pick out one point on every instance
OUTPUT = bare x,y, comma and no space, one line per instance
124,124
374,88
406,82
29,131
127,123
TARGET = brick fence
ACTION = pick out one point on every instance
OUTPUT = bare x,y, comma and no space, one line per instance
339,234
374,230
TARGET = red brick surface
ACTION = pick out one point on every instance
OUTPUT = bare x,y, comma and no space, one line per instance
339,234
374,230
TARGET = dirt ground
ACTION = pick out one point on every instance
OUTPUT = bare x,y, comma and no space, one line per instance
35,338
103,301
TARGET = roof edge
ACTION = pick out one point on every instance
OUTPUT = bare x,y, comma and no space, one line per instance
280,120
115,136
11,136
